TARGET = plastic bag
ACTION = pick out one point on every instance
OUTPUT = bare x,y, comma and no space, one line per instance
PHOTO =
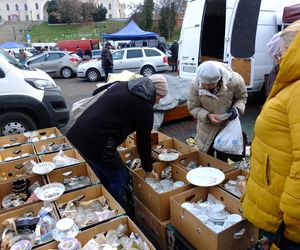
230,139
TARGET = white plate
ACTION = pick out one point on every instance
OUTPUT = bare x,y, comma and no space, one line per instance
50,192
205,176
43,168
168,156
224,116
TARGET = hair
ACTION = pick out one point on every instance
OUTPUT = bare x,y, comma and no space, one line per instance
288,35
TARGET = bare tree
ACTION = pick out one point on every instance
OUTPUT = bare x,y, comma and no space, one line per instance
180,5
70,11
88,9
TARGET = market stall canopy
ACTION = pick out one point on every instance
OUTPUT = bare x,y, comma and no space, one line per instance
12,45
291,13
130,32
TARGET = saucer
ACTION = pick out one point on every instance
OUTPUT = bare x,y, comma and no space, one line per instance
43,168
50,192
217,216
168,156
65,228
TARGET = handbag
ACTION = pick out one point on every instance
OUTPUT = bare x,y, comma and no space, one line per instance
230,139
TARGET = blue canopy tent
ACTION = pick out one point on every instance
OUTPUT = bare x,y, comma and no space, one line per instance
12,45
130,32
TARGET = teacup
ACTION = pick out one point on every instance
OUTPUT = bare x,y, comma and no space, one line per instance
187,205
178,184
232,219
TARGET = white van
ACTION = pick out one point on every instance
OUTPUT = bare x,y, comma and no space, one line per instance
29,98
231,31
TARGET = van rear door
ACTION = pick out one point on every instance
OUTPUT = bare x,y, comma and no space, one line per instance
190,37
243,36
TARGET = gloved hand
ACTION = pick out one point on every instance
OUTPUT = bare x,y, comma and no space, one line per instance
234,113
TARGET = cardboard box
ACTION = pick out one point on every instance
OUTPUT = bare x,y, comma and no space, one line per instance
204,160
86,235
14,169
17,152
91,193
49,131
154,229
232,176
33,208
158,203
199,234
81,169
181,147
47,143
159,135
70,153
6,189
12,140
128,143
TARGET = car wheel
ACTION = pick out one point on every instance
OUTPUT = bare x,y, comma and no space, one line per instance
66,72
147,71
93,75
16,123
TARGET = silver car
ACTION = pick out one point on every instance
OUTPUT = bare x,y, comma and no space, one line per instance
145,61
56,63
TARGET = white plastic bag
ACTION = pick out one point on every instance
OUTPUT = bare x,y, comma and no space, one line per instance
230,139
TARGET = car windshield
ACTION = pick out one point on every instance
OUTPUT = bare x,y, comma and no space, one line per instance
10,59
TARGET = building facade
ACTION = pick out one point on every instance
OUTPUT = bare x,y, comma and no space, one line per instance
36,10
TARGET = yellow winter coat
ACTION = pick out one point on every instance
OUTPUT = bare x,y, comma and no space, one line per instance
273,186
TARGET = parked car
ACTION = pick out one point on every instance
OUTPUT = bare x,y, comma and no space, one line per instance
30,99
56,63
145,61
96,53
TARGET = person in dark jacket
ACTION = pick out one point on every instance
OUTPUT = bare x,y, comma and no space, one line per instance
87,54
79,52
107,61
174,51
124,108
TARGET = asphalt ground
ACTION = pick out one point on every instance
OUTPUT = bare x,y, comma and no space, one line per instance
75,89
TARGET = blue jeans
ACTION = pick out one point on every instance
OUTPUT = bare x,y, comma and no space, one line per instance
113,179
285,244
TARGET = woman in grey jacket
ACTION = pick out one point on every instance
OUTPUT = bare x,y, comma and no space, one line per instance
215,90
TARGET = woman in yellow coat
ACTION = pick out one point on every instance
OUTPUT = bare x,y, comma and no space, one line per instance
273,187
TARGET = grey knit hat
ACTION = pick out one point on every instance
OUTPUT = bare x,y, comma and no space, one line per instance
209,73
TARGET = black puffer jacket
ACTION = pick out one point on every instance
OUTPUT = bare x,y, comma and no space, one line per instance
107,61
126,107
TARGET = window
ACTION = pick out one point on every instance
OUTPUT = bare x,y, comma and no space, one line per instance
7,6
110,16
37,60
17,7
134,53
53,56
27,18
118,55
151,52
109,6
36,6
25,6
37,17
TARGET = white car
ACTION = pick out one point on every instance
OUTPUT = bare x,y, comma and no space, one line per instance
145,61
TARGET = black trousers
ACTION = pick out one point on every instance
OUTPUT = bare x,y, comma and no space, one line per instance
107,71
